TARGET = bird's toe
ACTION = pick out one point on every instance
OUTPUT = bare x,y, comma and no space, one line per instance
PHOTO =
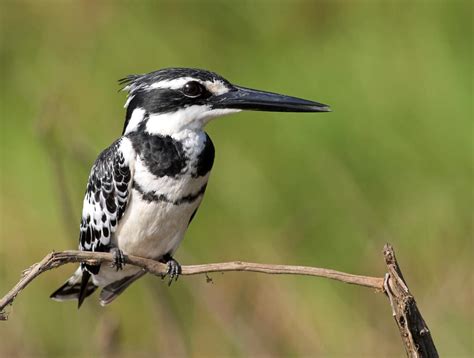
119,259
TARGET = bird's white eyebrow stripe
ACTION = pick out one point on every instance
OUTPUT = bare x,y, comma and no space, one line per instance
216,86
173,84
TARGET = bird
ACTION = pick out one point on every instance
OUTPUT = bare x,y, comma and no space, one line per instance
143,191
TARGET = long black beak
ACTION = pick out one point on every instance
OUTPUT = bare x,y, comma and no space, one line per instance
255,100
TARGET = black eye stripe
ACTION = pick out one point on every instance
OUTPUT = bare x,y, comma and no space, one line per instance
164,100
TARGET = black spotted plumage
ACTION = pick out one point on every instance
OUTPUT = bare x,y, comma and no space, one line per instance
105,200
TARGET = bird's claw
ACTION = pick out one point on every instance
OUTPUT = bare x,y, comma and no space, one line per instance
174,269
119,259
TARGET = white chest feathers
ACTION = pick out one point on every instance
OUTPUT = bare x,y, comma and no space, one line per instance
160,206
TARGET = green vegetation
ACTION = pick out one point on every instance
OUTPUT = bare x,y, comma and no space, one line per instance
393,162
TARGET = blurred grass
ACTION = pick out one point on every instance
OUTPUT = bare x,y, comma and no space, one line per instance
393,162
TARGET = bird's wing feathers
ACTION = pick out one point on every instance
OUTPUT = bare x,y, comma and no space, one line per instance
105,202
106,196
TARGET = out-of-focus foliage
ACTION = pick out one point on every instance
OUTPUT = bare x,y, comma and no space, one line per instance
393,162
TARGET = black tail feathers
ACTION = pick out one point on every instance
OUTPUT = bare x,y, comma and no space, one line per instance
79,286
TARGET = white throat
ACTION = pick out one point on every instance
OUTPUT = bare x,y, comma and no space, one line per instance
192,118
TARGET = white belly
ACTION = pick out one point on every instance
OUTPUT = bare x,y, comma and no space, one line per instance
153,229
148,229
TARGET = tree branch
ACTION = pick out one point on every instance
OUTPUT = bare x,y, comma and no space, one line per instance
56,259
415,334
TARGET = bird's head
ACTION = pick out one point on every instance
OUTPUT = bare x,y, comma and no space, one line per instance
170,100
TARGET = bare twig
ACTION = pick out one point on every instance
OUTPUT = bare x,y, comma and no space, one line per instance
56,259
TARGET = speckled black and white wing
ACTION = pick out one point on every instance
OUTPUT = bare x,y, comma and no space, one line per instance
106,198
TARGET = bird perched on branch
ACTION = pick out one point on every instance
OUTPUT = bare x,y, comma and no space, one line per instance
144,190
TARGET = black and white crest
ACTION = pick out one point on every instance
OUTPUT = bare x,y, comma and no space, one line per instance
133,83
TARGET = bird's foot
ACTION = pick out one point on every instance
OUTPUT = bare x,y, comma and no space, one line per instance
174,268
119,259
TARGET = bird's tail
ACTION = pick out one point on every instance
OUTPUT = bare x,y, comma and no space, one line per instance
112,291
79,286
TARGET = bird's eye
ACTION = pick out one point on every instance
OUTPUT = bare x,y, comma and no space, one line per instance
193,89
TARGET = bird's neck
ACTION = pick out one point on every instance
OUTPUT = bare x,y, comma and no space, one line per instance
176,122
165,123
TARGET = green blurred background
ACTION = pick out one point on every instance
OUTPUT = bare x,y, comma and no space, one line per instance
392,163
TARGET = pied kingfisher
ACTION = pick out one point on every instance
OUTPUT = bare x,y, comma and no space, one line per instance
144,190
